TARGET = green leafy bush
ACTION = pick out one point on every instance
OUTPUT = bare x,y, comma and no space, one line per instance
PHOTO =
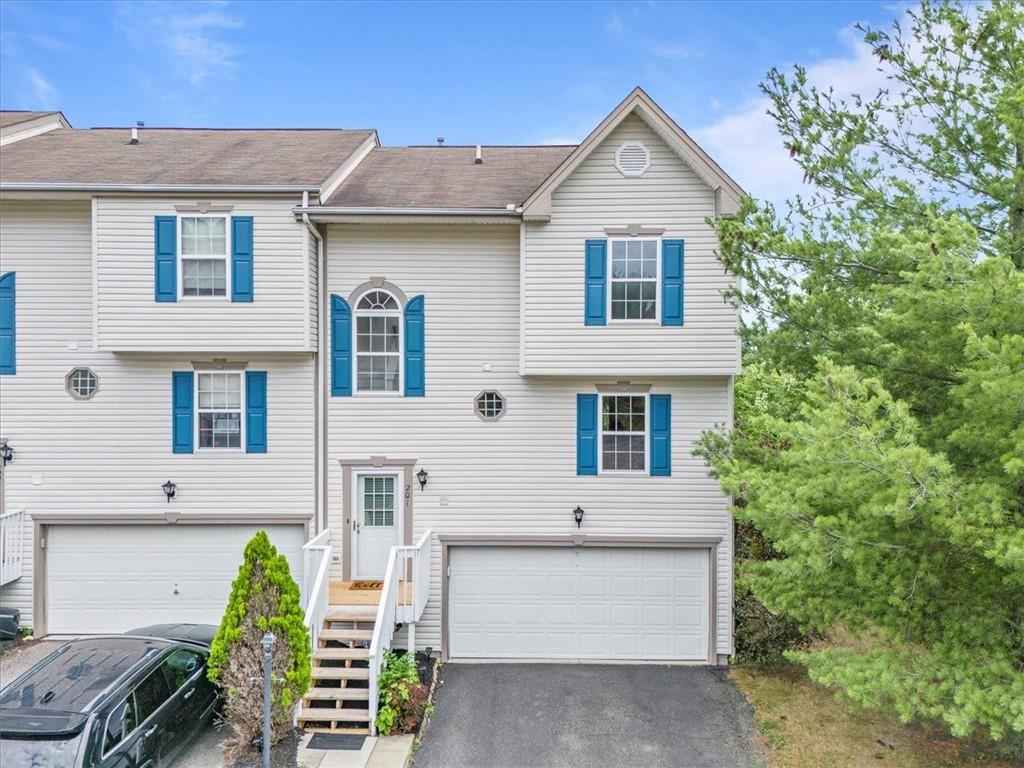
264,596
403,698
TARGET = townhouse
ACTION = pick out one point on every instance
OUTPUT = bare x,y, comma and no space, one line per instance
465,380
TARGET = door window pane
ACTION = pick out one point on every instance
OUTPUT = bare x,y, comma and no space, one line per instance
378,500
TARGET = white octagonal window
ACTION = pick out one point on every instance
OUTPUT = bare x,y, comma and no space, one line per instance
489,405
81,383
632,159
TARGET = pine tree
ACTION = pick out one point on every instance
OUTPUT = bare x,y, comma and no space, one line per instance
264,597
893,293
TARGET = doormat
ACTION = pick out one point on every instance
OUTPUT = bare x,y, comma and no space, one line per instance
335,741
367,584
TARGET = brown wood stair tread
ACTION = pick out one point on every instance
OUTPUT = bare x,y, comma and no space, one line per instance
333,714
365,731
341,673
334,654
343,635
341,614
338,694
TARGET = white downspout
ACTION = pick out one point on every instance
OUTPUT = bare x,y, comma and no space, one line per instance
321,373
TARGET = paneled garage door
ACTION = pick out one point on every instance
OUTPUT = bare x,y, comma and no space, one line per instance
111,578
613,603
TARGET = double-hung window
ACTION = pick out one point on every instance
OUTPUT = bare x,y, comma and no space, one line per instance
204,245
219,398
634,279
378,343
623,433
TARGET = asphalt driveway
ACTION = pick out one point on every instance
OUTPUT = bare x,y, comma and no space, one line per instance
598,716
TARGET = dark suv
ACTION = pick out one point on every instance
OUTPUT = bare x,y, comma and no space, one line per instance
125,701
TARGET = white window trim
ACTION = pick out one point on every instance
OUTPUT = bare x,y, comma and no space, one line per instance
479,413
628,174
600,433
196,409
228,287
656,320
357,313
400,491
69,377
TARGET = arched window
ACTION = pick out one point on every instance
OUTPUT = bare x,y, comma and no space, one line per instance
378,342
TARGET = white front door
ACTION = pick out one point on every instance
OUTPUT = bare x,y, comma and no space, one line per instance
378,520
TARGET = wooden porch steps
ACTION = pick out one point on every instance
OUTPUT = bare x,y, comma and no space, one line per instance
338,700
336,654
340,673
333,715
336,694
348,635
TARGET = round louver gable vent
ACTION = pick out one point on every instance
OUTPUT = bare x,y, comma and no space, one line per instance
632,159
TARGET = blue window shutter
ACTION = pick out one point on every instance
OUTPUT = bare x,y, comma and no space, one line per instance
181,405
414,333
241,258
8,336
255,411
596,282
672,282
165,242
661,435
586,434
341,347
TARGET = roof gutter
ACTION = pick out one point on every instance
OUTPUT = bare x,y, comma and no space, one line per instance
71,187
326,211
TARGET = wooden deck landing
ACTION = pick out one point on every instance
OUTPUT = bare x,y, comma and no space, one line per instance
341,593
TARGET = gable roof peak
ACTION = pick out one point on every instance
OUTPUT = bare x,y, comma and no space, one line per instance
727,192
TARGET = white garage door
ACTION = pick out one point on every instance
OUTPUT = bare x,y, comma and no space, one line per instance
578,603
111,578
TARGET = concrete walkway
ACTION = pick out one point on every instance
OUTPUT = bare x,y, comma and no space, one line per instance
591,716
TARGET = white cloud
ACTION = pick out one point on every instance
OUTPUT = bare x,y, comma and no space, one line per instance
187,35
675,51
746,142
39,93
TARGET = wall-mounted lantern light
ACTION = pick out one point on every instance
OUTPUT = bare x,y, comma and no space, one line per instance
578,516
6,454
422,476
169,490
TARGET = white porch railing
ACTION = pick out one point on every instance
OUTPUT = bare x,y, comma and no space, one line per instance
12,545
316,587
403,598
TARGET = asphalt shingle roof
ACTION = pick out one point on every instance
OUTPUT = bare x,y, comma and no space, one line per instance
447,177
9,117
184,156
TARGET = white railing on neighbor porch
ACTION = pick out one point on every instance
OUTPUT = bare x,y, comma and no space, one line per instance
12,545
316,586
403,598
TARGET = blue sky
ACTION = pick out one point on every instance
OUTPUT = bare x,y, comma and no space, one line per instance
498,73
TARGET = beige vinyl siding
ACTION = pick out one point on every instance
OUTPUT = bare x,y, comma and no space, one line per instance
108,456
130,319
670,196
516,475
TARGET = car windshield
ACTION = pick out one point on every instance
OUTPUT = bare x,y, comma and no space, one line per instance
40,753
